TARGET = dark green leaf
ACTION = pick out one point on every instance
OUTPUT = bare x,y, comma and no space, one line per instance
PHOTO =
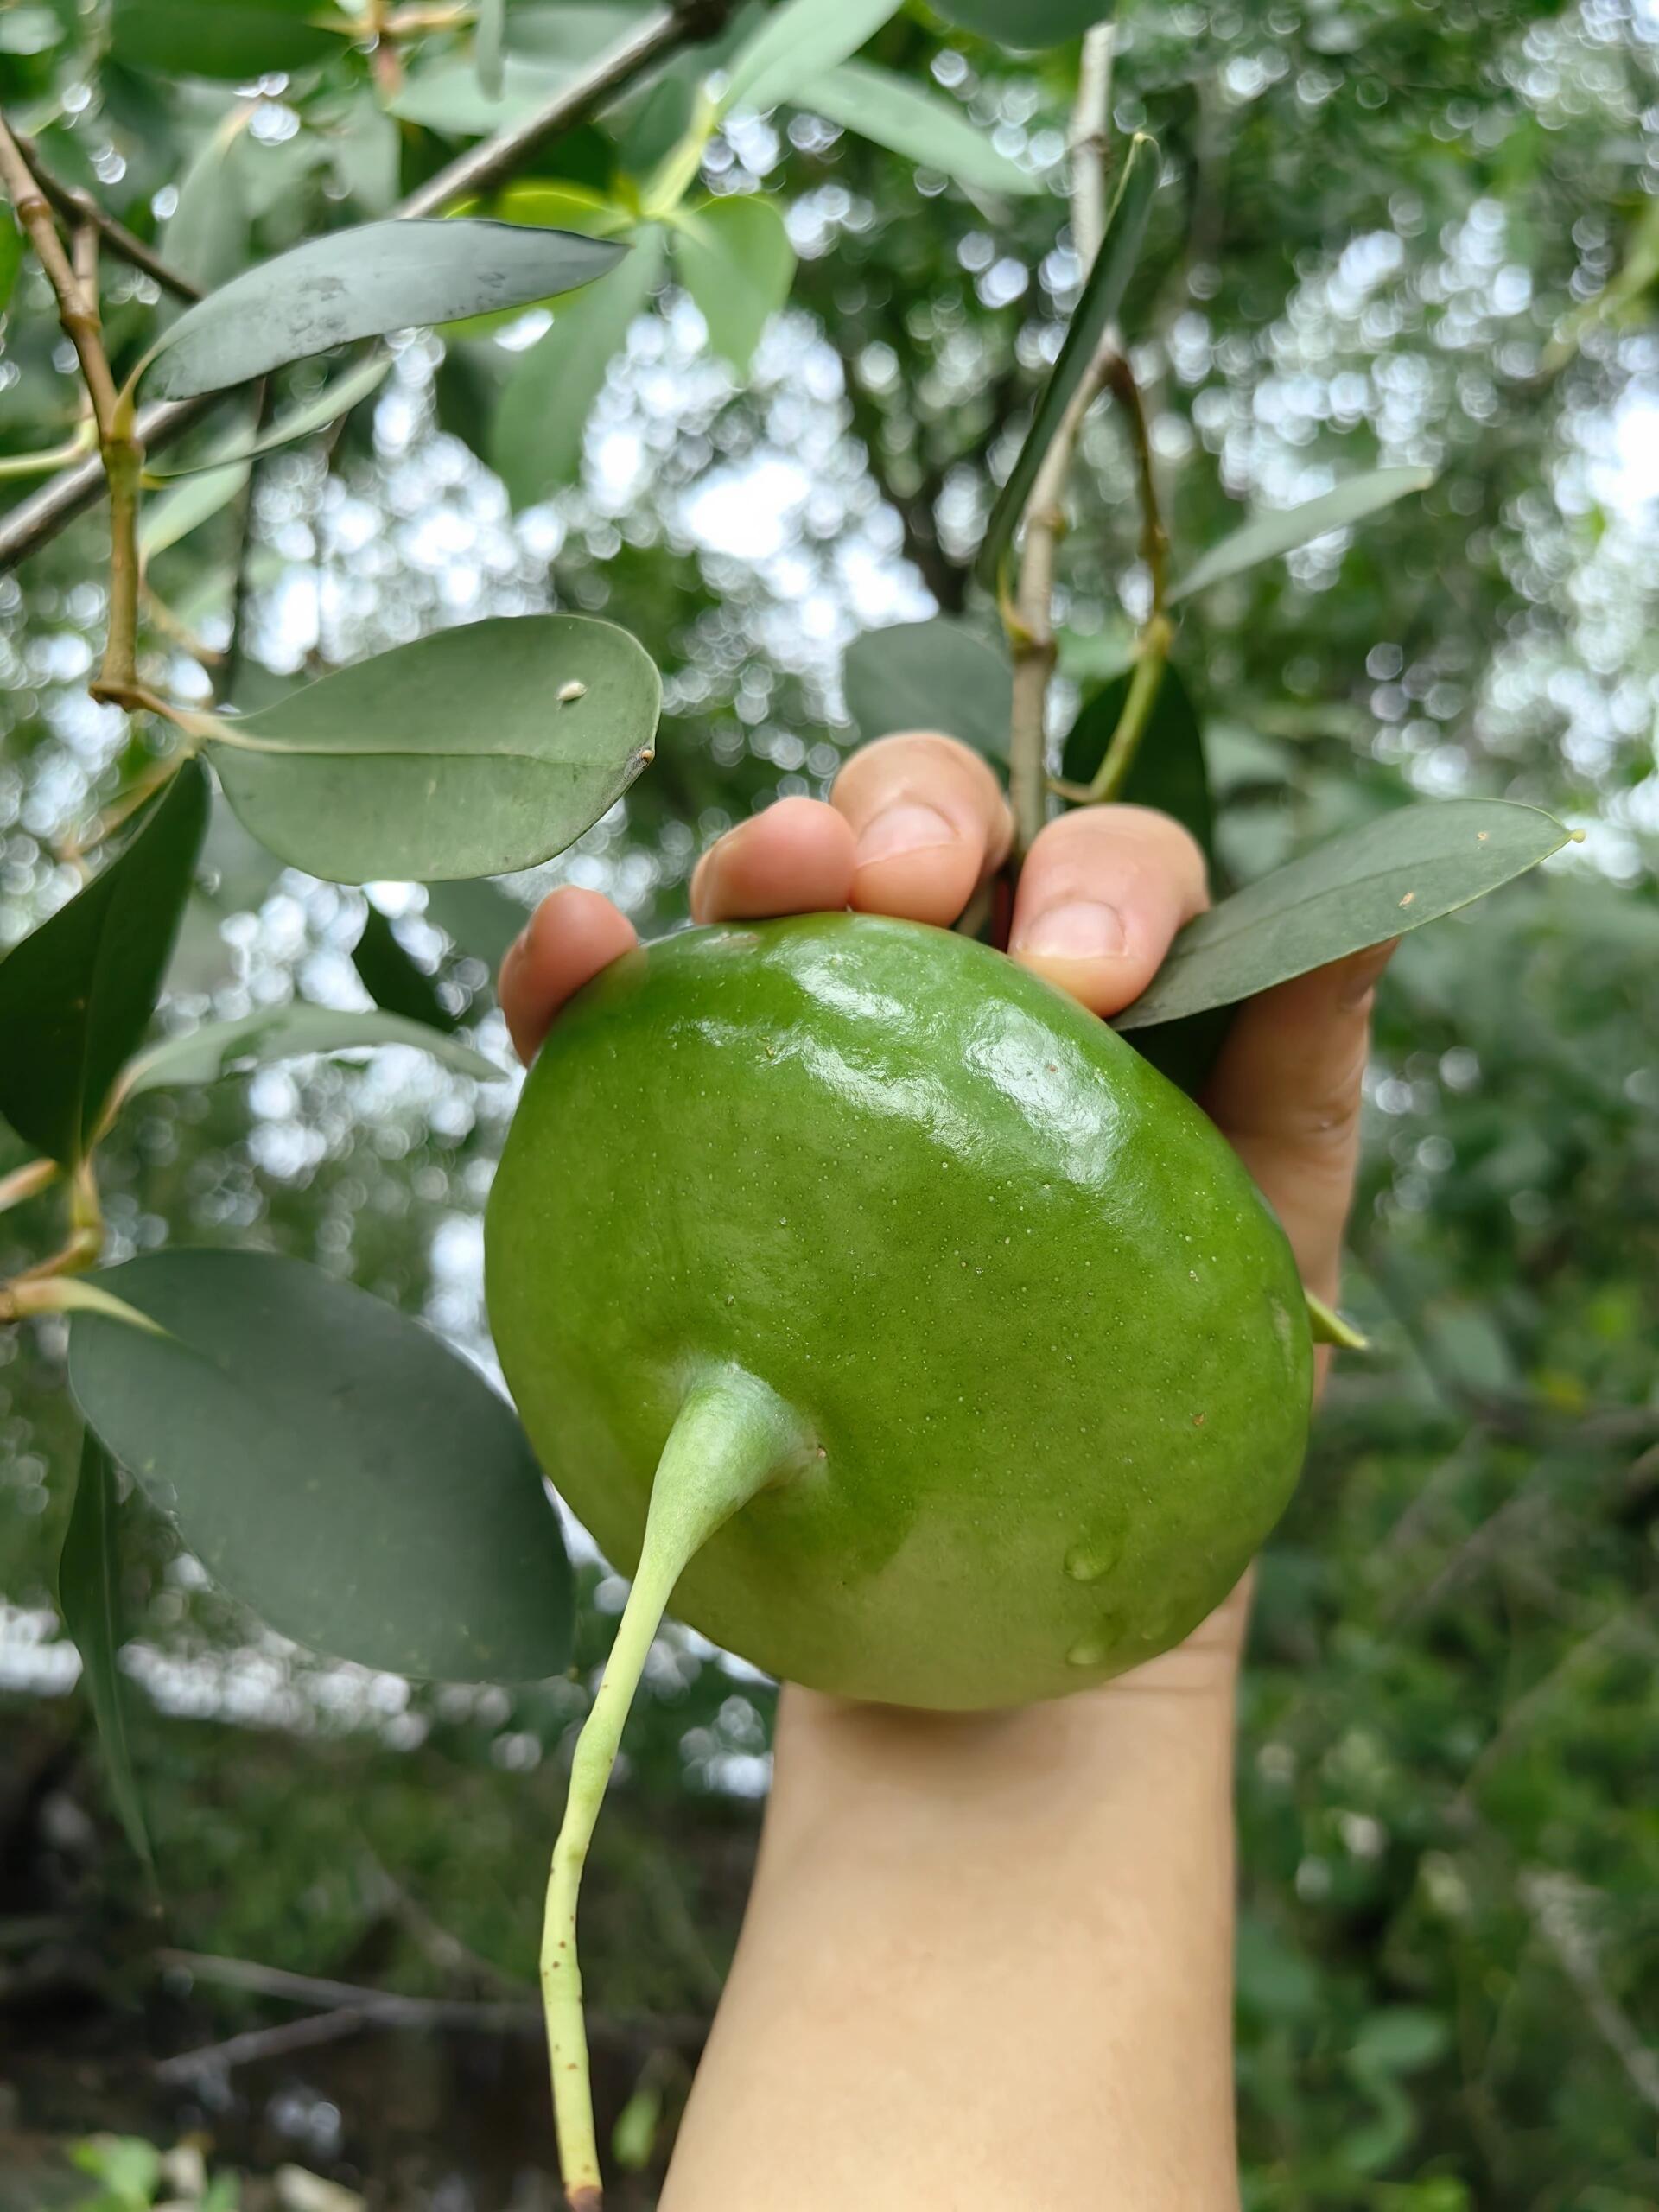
537,441
933,674
1401,871
219,1049
482,920
1267,537
392,978
479,750
76,997
234,39
89,1598
362,283
796,45
1103,295
332,1463
1168,770
921,126
11,256
735,259
1026,23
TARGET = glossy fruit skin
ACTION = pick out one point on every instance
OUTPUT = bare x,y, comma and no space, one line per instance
1047,1342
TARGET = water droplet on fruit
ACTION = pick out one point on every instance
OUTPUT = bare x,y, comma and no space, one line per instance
1088,1562
1087,1651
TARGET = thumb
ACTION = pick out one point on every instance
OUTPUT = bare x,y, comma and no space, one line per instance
1285,1091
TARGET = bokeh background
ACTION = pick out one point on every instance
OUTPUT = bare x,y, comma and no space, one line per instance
1389,232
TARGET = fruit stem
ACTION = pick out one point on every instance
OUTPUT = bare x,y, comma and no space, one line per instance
731,1436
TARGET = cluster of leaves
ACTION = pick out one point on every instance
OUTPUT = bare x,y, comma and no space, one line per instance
1387,2027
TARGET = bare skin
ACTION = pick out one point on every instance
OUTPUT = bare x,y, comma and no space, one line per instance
988,1959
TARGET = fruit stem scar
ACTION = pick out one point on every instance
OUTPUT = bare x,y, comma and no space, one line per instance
731,1436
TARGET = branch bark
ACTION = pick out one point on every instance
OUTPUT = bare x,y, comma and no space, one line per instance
1032,628
35,521
78,206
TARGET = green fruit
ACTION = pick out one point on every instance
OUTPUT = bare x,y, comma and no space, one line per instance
1034,1344
892,1315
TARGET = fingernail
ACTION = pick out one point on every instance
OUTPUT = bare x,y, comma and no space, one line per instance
1082,929
900,830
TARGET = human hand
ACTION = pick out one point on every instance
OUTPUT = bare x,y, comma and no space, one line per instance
1040,1901
914,825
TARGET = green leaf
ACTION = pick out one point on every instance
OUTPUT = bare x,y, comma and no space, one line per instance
1026,23
366,153
456,755
537,441
1400,2040
392,978
920,126
11,258
486,46
1168,770
332,1463
363,282
558,207
549,48
76,996
220,1049
571,30
446,96
207,236
336,398
480,920
214,38
89,1598
796,45
933,674
1103,295
1266,536
210,487
129,2166
735,259
556,204
1408,868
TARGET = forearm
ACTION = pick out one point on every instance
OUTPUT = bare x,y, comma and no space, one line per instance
987,1960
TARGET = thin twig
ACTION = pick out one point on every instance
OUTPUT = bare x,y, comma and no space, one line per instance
1089,142
77,310
1555,1903
78,206
386,2008
257,2043
34,522
1032,629
26,1181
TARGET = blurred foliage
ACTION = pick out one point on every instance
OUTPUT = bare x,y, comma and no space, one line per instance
1389,234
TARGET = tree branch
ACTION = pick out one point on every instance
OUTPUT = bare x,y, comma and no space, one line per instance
35,521
385,2008
1032,627
76,205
